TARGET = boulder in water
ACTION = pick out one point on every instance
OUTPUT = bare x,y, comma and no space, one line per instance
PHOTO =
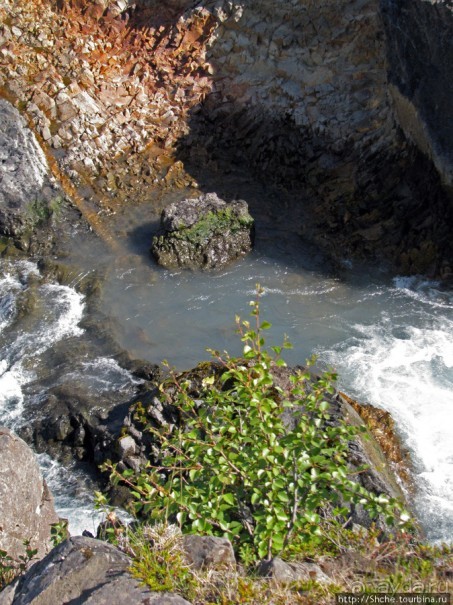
203,233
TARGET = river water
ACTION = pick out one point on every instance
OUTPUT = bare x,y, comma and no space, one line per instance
389,338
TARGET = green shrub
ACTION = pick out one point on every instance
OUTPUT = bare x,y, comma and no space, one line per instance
235,467
59,532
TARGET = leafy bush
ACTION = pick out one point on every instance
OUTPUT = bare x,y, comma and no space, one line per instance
251,462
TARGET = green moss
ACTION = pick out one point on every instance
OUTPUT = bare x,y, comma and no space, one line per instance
9,247
213,223
40,211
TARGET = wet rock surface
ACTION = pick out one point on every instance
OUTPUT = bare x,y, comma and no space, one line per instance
24,173
26,505
203,233
35,214
29,195
420,88
79,420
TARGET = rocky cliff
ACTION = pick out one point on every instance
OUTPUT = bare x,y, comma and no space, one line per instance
420,65
26,504
330,100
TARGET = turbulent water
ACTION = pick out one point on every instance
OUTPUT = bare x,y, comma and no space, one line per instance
35,317
390,339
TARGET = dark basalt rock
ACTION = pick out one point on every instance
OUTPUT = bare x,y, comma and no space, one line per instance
203,233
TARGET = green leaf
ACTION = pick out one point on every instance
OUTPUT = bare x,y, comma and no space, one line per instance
229,498
283,497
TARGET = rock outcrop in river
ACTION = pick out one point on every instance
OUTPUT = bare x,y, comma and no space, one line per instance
203,233
331,100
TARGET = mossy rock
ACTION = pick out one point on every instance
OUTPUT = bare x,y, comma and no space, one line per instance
203,233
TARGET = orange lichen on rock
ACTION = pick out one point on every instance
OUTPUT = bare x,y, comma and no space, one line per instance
382,427
99,81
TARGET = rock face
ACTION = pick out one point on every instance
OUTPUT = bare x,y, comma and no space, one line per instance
26,505
420,82
83,570
26,190
328,99
203,233
300,93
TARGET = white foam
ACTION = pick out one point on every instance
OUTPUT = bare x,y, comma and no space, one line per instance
407,371
424,291
101,373
11,396
67,310
71,503
9,286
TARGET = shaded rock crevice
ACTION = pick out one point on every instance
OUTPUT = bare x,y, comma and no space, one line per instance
309,108
419,46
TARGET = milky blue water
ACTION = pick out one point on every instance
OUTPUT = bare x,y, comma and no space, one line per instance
389,338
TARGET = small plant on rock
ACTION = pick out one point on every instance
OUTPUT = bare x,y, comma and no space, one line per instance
59,532
11,567
252,462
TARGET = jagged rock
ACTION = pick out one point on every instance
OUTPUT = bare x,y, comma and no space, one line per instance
26,505
209,552
126,446
83,570
23,171
203,233
284,573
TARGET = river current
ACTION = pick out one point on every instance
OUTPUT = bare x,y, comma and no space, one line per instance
389,338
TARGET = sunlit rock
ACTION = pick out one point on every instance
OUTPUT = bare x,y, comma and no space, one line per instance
203,233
